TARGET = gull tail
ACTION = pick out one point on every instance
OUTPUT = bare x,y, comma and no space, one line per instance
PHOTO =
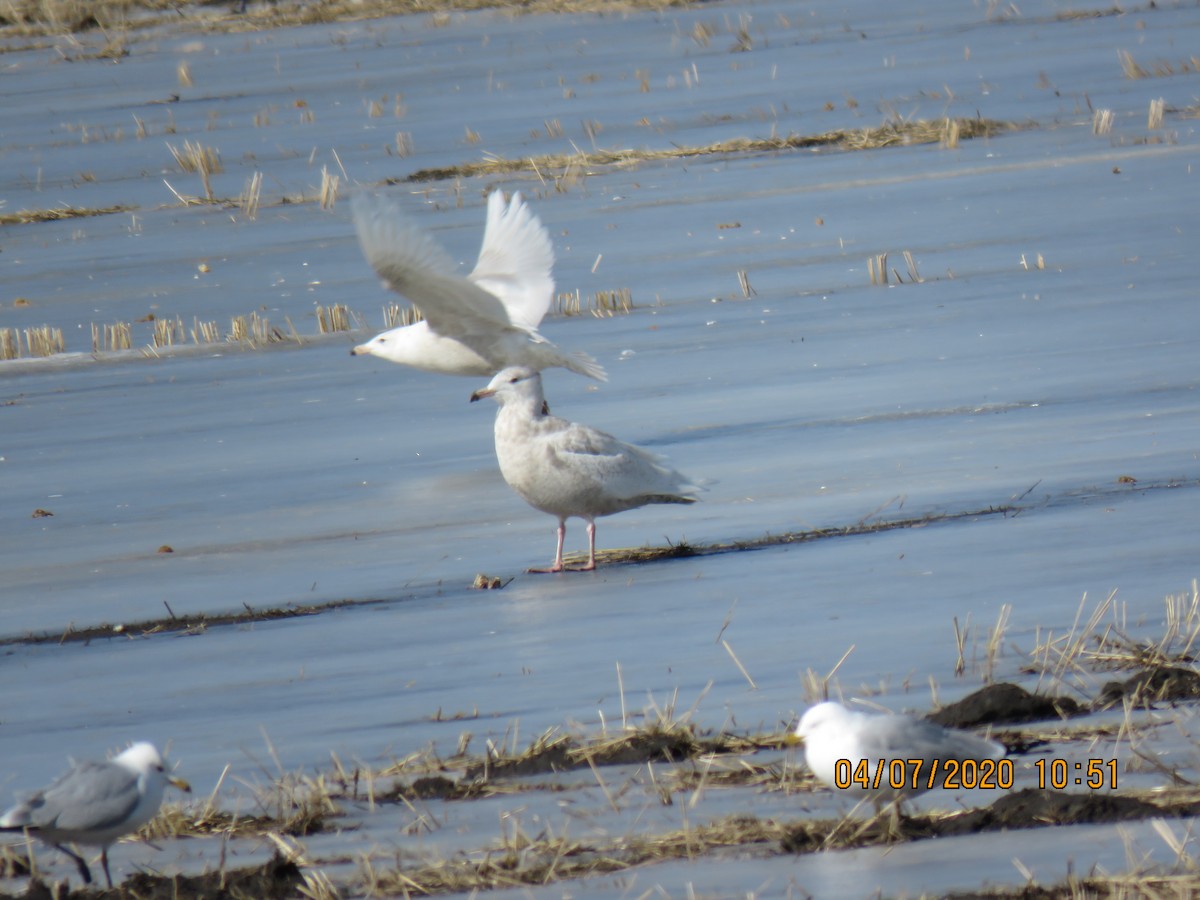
582,364
540,354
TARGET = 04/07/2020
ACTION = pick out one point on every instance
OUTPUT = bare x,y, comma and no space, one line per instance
923,774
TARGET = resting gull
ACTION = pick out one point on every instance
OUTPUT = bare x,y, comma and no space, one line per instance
473,325
871,742
95,803
567,469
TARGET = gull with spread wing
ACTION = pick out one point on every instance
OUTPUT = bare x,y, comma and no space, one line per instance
475,324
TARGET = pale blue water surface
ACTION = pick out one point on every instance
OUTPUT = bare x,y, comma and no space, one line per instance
296,474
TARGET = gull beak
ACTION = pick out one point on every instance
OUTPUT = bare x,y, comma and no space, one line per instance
360,350
481,393
793,740
180,783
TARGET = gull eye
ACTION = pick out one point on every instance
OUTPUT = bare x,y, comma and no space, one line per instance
514,379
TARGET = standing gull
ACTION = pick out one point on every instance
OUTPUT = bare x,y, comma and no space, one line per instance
473,325
567,469
830,733
95,803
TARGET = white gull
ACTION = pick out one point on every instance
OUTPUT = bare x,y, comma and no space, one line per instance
473,325
567,469
871,742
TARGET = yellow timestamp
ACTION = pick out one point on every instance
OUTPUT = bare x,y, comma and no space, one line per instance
922,774
1059,774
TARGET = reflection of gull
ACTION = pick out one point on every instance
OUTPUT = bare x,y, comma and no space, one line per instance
475,325
830,732
95,803
566,469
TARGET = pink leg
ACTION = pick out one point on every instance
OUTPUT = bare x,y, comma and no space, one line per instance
558,563
591,531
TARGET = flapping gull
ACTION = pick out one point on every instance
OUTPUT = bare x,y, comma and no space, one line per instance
473,325
95,803
567,469
830,733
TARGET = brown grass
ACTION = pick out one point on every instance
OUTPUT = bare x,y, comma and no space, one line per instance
395,315
119,21
251,197
333,318
10,343
117,336
1157,69
1099,640
196,157
601,304
25,216
517,859
892,134
682,550
251,331
173,624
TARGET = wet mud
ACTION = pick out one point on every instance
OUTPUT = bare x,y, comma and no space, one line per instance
1004,704
277,879
1166,684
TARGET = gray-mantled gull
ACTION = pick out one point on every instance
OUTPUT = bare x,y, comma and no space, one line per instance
473,325
868,746
567,469
95,803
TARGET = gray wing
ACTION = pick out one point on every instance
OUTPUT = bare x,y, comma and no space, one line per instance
622,469
474,310
901,737
89,797
412,264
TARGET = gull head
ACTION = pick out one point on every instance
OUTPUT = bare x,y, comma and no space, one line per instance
382,345
820,717
513,383
144,759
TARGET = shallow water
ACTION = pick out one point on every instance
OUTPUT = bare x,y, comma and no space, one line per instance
299,475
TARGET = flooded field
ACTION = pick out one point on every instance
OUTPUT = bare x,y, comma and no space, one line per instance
907,287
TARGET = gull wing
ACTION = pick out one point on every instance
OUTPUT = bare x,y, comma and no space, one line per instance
91,796
899,737
414,265
625,471
516,261
465,309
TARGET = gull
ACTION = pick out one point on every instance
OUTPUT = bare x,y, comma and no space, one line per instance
95,803
473,325
830,733
567,469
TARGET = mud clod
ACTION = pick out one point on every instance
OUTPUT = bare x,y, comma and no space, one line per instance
1035,808
1154,686
433,787
1002,704
277,879
553,758
274,880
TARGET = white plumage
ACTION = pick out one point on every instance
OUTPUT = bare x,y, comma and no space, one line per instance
830,732
473,325
567,469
